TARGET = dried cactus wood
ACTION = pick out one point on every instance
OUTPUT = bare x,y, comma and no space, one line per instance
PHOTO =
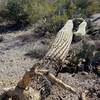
52,62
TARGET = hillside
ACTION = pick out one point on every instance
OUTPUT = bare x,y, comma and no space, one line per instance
27,33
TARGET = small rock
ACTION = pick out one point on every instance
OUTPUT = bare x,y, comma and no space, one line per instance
98,94
2,70
11,60
1,38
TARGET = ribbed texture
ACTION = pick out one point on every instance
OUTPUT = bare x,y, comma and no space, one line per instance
60,47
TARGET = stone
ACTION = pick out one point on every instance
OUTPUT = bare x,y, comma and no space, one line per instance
1,38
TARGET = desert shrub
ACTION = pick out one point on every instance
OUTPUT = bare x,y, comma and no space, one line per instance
15,12
38,9
94,7
22,11
56,18
2,10
55,23
71,9
56,12
87,7
39,50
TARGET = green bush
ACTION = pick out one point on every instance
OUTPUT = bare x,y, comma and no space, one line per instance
37,9
56,22
14,11
94,7
87,7
65,9
56,12
53,24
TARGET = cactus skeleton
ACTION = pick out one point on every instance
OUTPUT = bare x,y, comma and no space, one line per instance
52,62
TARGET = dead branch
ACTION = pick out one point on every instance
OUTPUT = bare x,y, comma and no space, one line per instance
83,96
51,77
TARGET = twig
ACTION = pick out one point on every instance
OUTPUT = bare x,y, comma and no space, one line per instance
54,79
83,96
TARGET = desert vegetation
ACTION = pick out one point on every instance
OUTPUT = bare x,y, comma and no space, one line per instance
50,49
54,12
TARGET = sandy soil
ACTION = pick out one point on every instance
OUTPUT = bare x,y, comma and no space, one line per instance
13,62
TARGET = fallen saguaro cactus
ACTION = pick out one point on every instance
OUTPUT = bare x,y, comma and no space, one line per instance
46,70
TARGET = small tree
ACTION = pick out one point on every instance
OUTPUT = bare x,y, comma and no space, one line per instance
14,11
